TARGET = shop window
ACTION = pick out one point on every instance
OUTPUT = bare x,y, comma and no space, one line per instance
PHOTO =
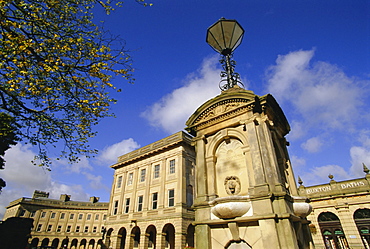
362,220
332,232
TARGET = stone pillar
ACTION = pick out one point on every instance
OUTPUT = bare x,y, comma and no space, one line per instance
179,241
269,234
260,186
201,172
203,237
211,177
349,227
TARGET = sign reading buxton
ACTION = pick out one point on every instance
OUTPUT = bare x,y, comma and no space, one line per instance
338,186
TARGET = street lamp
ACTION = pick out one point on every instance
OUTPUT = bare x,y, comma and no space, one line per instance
225,36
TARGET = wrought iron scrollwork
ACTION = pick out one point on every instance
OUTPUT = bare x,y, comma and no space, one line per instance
230,77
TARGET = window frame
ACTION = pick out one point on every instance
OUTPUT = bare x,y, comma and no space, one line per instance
156,171
172,166
119,181
140,199
127,205
171,197
155,200
142,175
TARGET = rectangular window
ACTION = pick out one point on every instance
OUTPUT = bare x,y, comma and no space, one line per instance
88,217
140,203
129,179
97,217
39,226
142,175
68,229
155,200
171,197
77,229
86,229
119,181
105,216
43,214
62,216
94,229
156,171
49,228
115,209
127,205
52,215
71,216
80,216
172,166
59,228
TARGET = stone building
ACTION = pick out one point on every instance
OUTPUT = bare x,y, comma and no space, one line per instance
341,213
62,223
228,183
152,195
246,195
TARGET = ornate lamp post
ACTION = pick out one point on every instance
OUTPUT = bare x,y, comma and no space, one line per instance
225,36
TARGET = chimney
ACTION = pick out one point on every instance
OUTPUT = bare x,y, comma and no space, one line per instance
65,197
94,199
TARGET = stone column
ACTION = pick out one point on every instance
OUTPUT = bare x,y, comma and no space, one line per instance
201,173
203,237
269,234
349,227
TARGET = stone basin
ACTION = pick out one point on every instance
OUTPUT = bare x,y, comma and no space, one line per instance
230,207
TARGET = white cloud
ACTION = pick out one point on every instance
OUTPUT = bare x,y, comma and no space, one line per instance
297,130
312,145
171,112
298,161
360,154
22,178
319,175
321,93
112,152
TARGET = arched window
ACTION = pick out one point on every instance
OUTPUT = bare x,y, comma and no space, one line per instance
107,237
122,237
169,236
190,236
83,244
135,237
151,234
55,243
332,232
34,242
45,242
91,244
362,220
74,244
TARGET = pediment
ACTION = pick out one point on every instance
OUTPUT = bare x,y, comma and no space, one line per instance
222,105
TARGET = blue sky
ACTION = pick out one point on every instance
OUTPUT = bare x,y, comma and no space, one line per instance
312,56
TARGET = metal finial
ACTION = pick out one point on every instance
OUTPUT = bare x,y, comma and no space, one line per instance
300,180
331,176
366,170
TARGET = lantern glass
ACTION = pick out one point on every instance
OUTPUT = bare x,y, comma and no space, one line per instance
225,36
